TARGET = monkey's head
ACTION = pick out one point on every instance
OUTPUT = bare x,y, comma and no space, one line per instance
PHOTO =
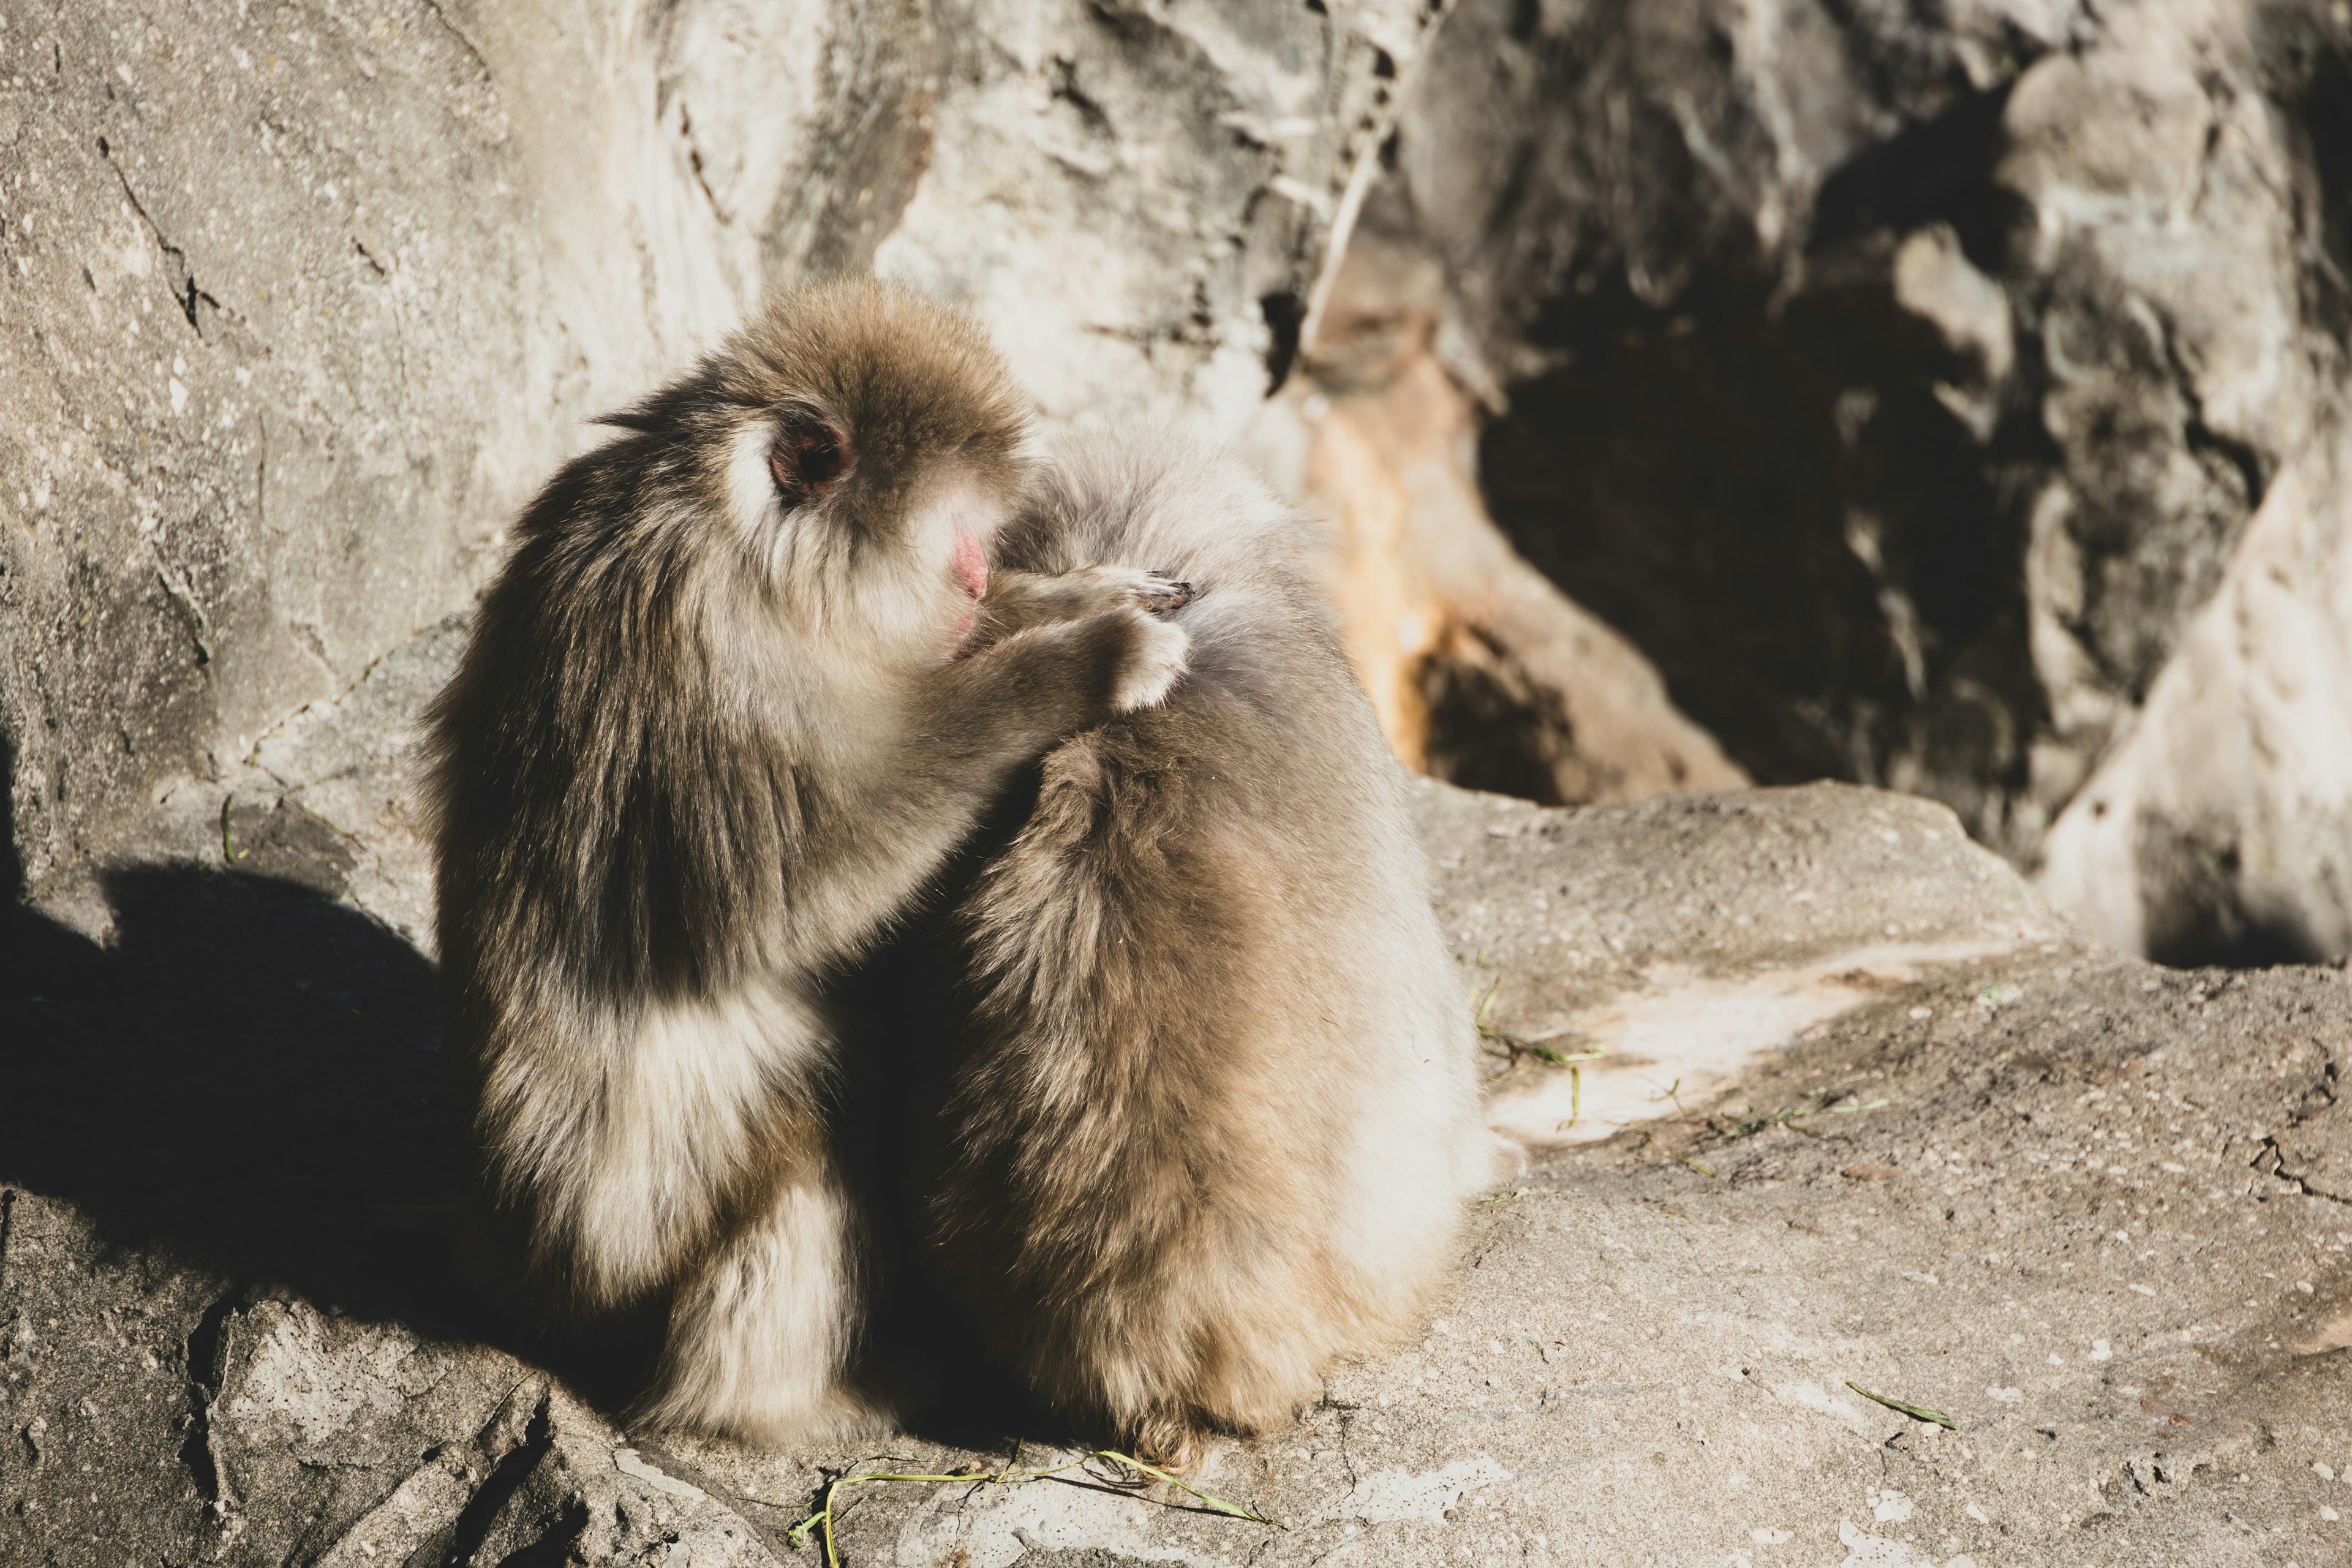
857,448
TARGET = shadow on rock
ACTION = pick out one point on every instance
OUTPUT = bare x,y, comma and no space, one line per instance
249,1075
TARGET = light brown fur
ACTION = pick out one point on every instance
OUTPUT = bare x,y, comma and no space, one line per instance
1219,1115
718,720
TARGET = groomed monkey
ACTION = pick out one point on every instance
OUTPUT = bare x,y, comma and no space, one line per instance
1218,1112
720,716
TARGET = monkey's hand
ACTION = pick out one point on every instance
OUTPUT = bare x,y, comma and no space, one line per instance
1020,600
1158,593
991,710
1154,660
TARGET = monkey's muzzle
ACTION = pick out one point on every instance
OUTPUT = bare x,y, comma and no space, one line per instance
971,567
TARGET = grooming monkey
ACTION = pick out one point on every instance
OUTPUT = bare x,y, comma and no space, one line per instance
1217,1111
722,713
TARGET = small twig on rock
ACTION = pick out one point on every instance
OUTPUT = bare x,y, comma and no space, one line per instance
1515,1046
827,1513
1913,1411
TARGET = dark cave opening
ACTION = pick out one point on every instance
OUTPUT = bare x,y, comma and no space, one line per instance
1789,524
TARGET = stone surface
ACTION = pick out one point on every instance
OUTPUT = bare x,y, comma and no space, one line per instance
1666,950
1867,1113
302,300
1903,384
1949,401
1481,672
2221,825
162,1413
1878,391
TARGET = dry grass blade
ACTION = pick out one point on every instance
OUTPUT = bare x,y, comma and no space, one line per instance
821,1523
1913,1411
1216,1504
1650,1142
1754,1125
1786,1117
1515,1046
1575,1100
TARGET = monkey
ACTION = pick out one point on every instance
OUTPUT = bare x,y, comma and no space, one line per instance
724,707
1216,1112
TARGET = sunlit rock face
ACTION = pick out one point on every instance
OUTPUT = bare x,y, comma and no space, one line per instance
1482,672
301,304
1884,394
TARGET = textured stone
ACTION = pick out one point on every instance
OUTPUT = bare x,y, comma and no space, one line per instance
1817,1094
1896,388
304,299
1864,1113
1481,672
1903,385
2220,827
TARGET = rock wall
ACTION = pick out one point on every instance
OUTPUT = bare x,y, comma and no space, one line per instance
301,300
1903,389
1904,383
1481,672
1948,397
2220,827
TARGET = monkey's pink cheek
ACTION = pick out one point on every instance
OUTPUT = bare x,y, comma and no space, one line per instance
970,568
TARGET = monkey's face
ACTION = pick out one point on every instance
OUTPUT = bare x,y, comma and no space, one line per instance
891,556
874,450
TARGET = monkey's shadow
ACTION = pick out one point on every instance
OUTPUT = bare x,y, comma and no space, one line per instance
249,1077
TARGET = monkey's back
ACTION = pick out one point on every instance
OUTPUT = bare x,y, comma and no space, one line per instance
1220,1113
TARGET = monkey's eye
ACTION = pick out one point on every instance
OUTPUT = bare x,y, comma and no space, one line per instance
805,460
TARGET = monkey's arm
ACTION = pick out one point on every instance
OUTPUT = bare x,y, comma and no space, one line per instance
991,710
1021,601
982,716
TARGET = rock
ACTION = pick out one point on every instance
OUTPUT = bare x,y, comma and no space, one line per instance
1665,949
302,306
1905,1139
1903,385
1876,393
195,1421
2220,827
1950,402
2072,1233
1482,673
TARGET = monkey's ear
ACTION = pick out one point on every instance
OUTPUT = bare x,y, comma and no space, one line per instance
808,459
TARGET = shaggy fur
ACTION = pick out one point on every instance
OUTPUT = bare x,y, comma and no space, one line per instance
722,713
1218,1115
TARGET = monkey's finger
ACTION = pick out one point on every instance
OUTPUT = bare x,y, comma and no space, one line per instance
1161,595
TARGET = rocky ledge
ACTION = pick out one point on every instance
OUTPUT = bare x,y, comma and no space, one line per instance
1870,1217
